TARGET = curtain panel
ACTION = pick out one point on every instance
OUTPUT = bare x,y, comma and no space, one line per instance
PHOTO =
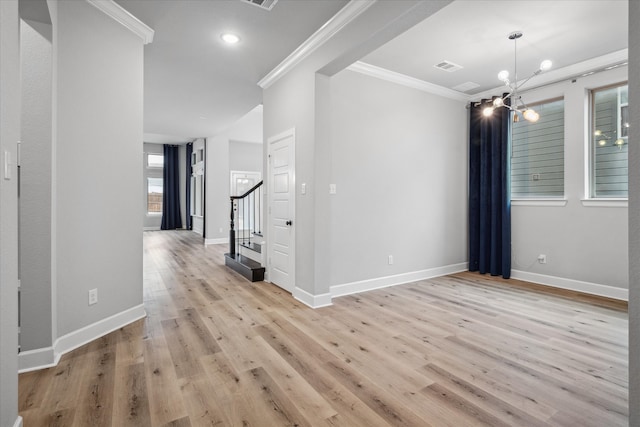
171,181
187,220
489,191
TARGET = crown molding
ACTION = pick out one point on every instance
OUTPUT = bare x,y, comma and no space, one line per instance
116,12
346,15
404,80
577,70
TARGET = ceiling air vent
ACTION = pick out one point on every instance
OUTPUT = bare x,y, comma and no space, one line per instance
262,4
448,66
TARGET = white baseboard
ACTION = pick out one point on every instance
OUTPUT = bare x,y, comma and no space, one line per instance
221,241
313,301
572,285
151,228
18,422
398,279
35,359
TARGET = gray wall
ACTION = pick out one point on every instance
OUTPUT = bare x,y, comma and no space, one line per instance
582,243
298,100
399,160
9,135
98,236
35,186
289,103
245,156
217,188
634,214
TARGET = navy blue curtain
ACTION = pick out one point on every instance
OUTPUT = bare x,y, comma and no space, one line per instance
171,183
489,191
187,220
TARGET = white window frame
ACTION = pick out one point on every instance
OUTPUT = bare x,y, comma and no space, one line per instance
155,165
591,199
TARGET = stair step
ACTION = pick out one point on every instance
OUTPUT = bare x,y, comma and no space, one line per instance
256,247
257,233
247,267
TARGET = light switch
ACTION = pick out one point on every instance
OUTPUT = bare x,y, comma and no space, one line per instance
332,189
303,188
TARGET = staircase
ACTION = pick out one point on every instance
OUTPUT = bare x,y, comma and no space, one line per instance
245,235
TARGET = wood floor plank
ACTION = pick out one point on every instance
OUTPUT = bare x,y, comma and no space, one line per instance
165,398
132,405
462,350
95,407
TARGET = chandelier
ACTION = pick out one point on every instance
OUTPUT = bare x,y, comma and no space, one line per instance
516,105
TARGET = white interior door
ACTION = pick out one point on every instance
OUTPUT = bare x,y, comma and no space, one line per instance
281,238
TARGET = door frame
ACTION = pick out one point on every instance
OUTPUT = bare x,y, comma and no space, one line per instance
292,203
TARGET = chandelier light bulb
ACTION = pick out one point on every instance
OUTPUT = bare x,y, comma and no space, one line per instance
488,111
598,132
619,142
503,76
546,65
530,115
498,102
602,142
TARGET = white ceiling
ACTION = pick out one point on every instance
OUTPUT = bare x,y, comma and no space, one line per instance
474,34
196,86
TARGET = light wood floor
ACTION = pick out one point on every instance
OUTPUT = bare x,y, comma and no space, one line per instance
216,350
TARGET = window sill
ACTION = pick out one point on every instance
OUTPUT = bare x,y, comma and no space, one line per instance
605,203
539,202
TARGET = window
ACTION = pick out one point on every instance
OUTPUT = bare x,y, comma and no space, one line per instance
537,153
155,160
154,195
609,144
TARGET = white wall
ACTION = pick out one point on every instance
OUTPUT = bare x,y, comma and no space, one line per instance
399,160
35,186
150,221
634,214
586,245
9,135
98,156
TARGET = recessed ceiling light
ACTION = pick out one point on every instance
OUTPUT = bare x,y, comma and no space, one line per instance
230,38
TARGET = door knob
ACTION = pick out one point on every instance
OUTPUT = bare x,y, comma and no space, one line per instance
289,222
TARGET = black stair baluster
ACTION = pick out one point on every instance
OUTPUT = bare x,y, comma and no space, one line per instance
232,233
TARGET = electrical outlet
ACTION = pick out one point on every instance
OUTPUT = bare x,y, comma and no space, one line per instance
93,296
390,259
542,259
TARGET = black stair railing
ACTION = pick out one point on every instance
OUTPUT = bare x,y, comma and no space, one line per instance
246,214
